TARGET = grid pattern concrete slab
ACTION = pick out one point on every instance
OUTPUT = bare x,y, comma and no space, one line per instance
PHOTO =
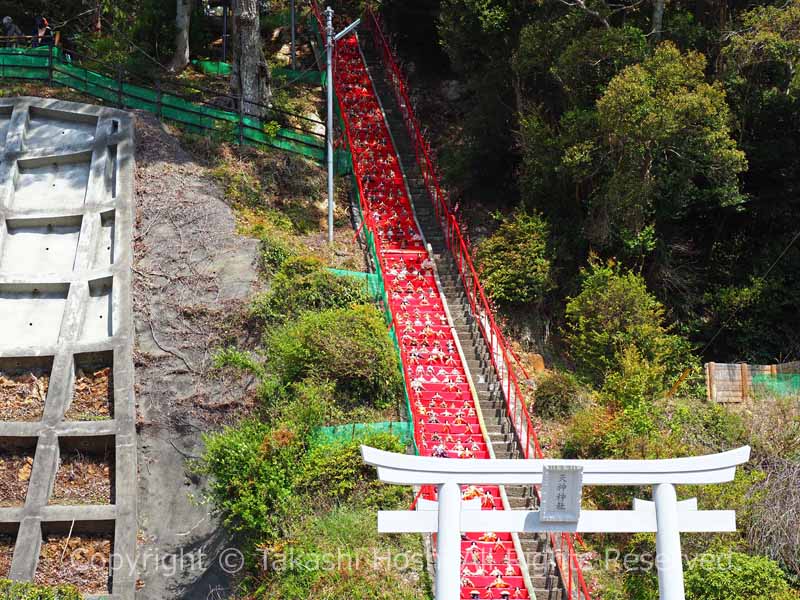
66,217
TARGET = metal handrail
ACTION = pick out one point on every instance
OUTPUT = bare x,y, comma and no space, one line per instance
499,349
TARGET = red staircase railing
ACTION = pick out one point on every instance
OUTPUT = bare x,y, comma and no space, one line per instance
501,355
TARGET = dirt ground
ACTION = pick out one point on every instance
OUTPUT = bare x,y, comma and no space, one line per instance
6,553
78,560
82,478
93,395
15,473
192,276
22,395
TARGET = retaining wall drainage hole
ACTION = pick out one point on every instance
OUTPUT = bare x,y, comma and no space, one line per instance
83,477
6,553
80,560
22,394
15,473
92,396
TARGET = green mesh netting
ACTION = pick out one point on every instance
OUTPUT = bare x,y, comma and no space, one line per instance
223,69
352,431
213,67
781,384
37,64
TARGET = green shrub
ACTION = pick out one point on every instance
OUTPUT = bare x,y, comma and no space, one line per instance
241,184
252,465
636,432
306,405
637,383
735,576
303,284
613,312
16,590
558,394
702,424
641,585
250,468
335,473
273,252
347,540
586,432
515,260
347,346
238,359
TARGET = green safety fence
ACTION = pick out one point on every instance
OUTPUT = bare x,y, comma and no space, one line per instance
352,431
377,291
378,288
37,64
223,69
372,282
781,384
311,77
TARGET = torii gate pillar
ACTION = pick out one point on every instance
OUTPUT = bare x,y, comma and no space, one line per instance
668,543
448,541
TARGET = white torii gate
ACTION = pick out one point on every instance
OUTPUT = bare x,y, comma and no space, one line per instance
665,516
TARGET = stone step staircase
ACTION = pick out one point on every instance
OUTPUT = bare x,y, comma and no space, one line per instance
541,564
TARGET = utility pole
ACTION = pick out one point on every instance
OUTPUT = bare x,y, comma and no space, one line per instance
330,43
293,47
225,6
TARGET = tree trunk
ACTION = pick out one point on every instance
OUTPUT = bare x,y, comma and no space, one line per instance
658,20
183,15
97,23
250,78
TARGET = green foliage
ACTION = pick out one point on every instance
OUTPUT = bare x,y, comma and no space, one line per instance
273,253
478,36
152,30
586,66
706,425
540,45
250,477
242,186
252,465
302,284
515,260
335,473
348,346
340,554
271,128
735,576
238,359
633,432
615,315
685,30
637,383
768,36
755,313
16,590
558,395
669,139
586,433
641,585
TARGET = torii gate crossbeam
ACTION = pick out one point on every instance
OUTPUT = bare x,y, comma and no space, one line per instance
665,515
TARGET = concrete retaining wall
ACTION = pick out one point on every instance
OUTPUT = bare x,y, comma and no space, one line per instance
66,217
